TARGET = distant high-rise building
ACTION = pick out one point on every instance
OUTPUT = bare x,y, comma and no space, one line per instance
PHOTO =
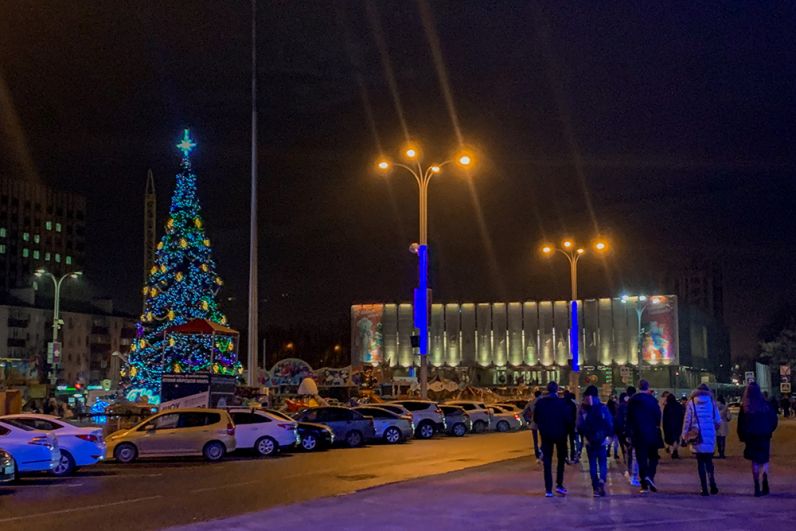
39,228
150,222
700,284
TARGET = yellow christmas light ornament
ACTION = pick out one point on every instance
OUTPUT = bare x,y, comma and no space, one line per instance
132,347
216,368
206,242
133,372
231,346
149,316
223,320
197,222
177,368
153,292
153,270
160,245
219,281
205,306
170,223
205,268
183,243
179,276
163,268
141,343
145,290
171,315
172,342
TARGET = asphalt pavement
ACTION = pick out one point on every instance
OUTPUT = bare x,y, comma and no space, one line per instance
160,493
509,495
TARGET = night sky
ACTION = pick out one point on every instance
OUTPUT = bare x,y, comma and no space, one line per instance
667,127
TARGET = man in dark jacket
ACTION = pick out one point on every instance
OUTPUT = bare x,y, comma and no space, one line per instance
644,428
551,416
596,428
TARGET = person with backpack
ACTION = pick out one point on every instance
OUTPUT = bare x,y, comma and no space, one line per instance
527,414
644,427
595,427
551,415
757,421
701,424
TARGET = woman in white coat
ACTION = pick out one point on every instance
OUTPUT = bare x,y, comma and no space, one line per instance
700,428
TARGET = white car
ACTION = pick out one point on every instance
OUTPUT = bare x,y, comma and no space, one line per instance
32,450
512,408
505,419
479,414
426,416
79,446
264,431
390,427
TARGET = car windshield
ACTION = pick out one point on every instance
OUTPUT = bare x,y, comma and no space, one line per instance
17,424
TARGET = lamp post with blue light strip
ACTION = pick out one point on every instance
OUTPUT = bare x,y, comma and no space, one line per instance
422,294
573,254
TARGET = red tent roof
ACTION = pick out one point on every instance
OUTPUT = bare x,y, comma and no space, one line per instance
202,326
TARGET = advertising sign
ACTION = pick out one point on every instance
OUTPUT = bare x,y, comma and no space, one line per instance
366,333
784,388
784,370
659,335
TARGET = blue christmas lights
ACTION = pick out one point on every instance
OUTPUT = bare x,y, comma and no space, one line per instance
182,286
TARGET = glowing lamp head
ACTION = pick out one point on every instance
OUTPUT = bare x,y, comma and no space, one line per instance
547,249
411,153
581,250
76,274
435,169
383,165
465,160
600,246
39,272
567,244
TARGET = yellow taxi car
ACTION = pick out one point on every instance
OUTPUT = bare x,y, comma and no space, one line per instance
175,432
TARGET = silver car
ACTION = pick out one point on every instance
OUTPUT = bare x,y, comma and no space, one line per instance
390,427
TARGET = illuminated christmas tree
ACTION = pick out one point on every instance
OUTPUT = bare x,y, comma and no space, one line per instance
181,287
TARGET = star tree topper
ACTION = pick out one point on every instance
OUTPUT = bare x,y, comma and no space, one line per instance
186,144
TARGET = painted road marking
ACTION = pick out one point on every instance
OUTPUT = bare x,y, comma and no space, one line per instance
82,508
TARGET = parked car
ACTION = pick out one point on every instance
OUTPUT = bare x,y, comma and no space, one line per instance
505,419
390,427
518,403
32,450
457,420
479,414
79,446
512,408
313,436
266,433
348,425
426,415
175,432
8,470
395,408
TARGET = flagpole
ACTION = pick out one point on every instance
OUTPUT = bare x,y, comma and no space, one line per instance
253,324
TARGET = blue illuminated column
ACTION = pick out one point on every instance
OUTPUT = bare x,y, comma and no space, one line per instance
573,336
421,300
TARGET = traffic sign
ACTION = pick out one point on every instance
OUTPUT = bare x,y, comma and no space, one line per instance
784,388
784,370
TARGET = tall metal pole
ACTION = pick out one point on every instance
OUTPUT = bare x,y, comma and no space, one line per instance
253,324
422,285
574,328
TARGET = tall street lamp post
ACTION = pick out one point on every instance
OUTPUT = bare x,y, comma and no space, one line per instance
573,253
641,303
57,282
422,297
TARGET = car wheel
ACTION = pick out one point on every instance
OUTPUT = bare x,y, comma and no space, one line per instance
214,451
426,430
309,442
459,429
353,439
479,426
502,426
125,453
392,435
66,466
266,446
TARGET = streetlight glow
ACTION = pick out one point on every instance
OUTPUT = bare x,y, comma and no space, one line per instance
465,160
411,153
581,250
567,244
600,246
435,169
384,165
547,249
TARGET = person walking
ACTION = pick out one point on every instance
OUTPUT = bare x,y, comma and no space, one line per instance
612,407
757,421
527,414
644,428
785,404
596,428
673,414
572,436
624,436
551,415
700,428
724,428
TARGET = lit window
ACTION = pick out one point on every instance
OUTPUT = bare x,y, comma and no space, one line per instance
48,225
2,249
36,238
68,260
58,257
3,232
57,227
36,254
47,257
26,236
25,253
